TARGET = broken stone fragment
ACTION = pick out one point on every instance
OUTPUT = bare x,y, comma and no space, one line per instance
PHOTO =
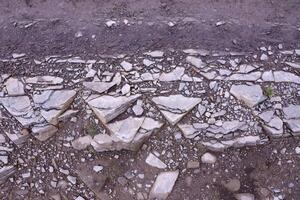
163,185
108,107
54,103
294,126
250,95
14,87
273,125
18,137
43,131
283,76
175,107
244,196
126,66
291,112
127,134
197,62
44,80
154,161
20,107
192,130
293,65
155,54
6,172
100,87
82,142
238,142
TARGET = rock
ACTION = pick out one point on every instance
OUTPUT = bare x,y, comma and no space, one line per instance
245,77
101,87
233,185
98,168
44,80
20,107
126,66
127,134
273,125
297,150
208,158
79,198
5,172
174,107
250,95
293,65
109,107
228,127
197,62
43,131
292,112
110,23
244,196
163,185
138,109
155,54
82,142
294,126
125,89
153,161
191,131
193,164
18,137
147,62
14,87
283,76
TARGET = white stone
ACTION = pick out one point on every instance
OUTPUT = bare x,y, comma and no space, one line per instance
82,142
197,62
250,95
14,87
163,185
208,158
126,66
155,54
154,161
125,89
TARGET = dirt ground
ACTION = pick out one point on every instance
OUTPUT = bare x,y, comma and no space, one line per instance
41,28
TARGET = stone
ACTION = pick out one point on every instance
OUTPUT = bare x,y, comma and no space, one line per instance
43,131
98,168
14,87
126,66
208,158
197,62
293,65
291,112
101,87
163,185
294,126
129,134
191,131
154,161
174,107
250,95
283,76
18,137
228,127
245,68
244,196
6,172
44,80
138,109
193,164
125,89
82,142
233,185
155,54
108,107
245,77
20,107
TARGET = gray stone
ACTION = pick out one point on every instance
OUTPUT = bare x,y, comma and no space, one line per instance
291,112
154,161
174,107
208,158
14,87
233,185
250,95
155,54
197,62
126,66
163,185
82,142
244,196
108,107
100,87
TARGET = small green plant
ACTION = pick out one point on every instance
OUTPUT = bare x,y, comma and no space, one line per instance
269,91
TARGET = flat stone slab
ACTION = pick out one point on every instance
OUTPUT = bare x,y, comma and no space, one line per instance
175,107
251,95
163,185
108,107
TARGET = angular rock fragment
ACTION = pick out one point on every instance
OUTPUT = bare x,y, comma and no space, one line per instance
250,95
197,62
18,137
82,142
283,76
155,54
127,134
126,66
108,107
294,126
273,125
100,87
43,131
208,158
154,161
215,145
53,103
20,107
192,130
44,80
178,75
293,65
6,172
291,112
245,77
14,87
174,107
163,185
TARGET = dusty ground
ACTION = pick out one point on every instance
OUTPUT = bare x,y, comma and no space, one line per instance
40,28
